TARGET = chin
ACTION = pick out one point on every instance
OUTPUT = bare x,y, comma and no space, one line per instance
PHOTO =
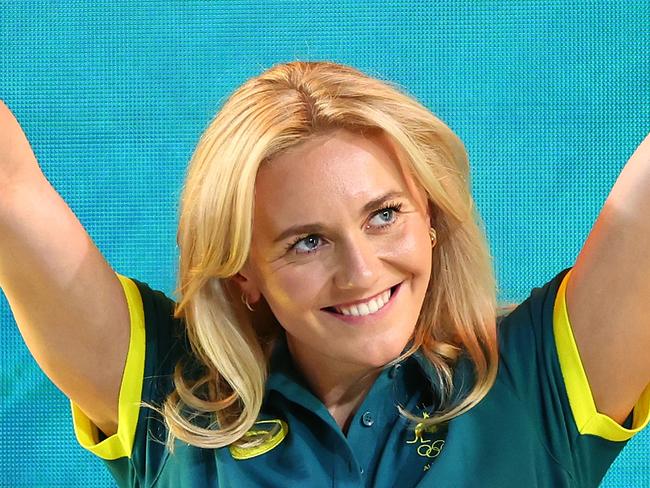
378,353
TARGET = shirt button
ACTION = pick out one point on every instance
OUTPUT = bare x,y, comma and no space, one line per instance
394,370
367,419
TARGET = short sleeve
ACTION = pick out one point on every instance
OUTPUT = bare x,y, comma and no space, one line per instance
136,451
539,360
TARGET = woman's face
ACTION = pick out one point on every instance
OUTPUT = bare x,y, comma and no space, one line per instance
358,252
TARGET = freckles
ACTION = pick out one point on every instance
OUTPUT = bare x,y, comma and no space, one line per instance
296,286
408,242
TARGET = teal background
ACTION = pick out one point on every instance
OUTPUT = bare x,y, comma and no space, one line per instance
550,98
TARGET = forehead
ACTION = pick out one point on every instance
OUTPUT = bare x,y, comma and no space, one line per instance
326,179
334,167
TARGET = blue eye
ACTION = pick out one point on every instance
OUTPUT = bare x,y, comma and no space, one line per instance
389,208
310,238
383,212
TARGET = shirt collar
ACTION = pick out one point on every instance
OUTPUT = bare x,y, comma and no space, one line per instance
286,379
282,372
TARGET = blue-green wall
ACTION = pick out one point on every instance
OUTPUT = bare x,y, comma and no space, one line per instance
550,97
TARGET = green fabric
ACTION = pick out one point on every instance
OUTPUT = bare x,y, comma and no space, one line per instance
521,434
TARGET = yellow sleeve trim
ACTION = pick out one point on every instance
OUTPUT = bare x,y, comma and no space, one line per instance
583,407
121,443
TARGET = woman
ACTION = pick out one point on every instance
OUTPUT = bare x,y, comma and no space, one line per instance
337,322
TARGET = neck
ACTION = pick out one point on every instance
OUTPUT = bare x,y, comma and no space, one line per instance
341,386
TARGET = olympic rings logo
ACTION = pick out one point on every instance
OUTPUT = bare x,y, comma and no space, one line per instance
428,447
430,450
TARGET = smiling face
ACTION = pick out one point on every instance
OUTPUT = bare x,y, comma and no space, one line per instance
360,251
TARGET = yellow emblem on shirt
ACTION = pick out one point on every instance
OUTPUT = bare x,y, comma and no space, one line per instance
427,448
276,431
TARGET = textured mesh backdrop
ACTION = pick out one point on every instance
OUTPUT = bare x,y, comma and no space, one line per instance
550,98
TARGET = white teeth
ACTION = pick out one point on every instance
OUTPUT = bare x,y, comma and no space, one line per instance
367,308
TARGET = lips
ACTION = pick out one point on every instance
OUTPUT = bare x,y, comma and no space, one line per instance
371,319
333,309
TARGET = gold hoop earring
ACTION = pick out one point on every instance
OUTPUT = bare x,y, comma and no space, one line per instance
434,238
244,299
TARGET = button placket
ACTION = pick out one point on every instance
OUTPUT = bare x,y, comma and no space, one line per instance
367,419
367,431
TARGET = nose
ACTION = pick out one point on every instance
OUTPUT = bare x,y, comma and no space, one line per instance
358,265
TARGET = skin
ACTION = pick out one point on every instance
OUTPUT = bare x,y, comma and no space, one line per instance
329,179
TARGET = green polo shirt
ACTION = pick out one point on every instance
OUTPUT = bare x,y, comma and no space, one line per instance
537,426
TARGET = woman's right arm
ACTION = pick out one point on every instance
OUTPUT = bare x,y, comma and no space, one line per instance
67,301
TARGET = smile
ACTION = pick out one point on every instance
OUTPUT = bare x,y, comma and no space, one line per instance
373,309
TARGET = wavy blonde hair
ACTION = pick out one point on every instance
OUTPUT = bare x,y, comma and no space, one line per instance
223,379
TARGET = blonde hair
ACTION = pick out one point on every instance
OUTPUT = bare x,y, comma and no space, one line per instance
280,108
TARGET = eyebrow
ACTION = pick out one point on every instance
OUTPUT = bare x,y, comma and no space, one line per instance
318,227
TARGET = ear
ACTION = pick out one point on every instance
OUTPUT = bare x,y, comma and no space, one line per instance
246,284
431,213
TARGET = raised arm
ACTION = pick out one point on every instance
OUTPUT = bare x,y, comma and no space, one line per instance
608,293
67,301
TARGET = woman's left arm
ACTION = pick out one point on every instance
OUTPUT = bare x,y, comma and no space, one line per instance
608,293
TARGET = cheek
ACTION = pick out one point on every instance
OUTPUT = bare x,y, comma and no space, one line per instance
412,246
296,287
